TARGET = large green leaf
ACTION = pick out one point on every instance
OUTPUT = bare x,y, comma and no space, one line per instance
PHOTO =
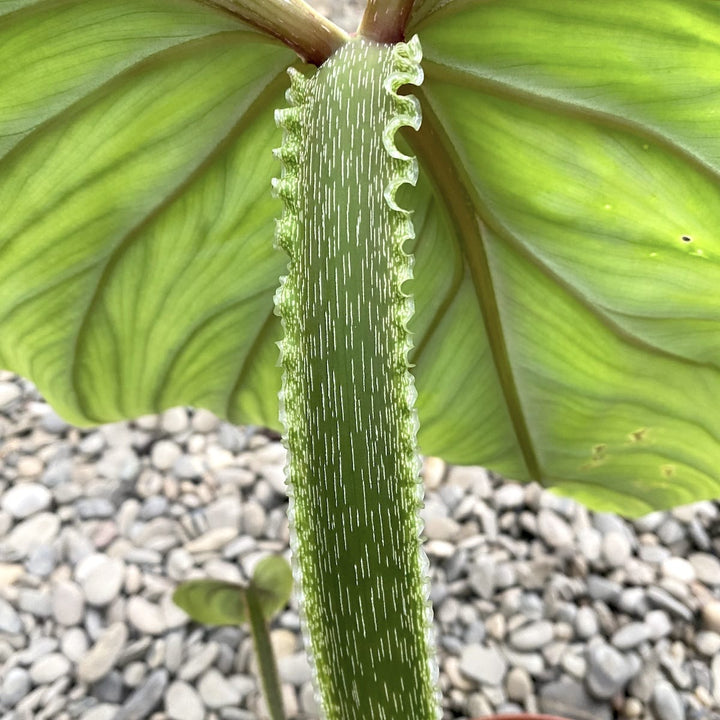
565,330
578,145
137,266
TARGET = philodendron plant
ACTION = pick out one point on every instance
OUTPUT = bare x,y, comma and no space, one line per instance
560,250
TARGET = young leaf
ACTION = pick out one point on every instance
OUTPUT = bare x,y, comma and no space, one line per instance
217,602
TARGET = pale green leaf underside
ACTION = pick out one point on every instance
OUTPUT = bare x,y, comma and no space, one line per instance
137,266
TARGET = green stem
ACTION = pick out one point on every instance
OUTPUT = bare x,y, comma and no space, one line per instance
267,667
311,35
384,21
347,393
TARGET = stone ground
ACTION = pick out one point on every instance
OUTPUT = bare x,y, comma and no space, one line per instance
539,604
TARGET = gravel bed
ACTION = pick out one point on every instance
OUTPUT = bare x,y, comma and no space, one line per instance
539,604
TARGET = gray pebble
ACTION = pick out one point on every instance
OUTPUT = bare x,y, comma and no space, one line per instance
100,577
631,635
74,644
9,619
586,624
253,519
104,711
49,668
661,599
600,588
199,662
554,530
182,702
295,669
41,561
616,549
570,699
707,568
25,499
518,685
711,615
481,577
659,624
104,654
94,508
483,664
667,703
15,686
608,671
188,467
216,691
10,394
164,454
146,698
109,688
175,420
35,602
147,617
68,603
532,636
708,643
37,530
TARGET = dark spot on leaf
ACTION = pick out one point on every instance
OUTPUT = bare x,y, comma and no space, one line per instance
686,238
638,435
598,451
668,470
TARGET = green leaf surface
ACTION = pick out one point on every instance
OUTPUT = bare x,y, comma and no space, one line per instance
583,141
136,259
217,602
565,330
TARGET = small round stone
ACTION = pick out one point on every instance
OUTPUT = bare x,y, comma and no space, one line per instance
679,569
518,684
100,577
15,686
164,454
711,615
667,703
608,671
26,499
147,617
707,568
616,549
485,665
533,636
49,668
68,603
182,702
103,655
216,691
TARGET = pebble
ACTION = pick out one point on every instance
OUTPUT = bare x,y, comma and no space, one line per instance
667,703
100,577
182,702
554,530
164,454
518,685
708,643
616,549
49,668
630,635
532,636
608,671
146,698
104,654
483,664
295,669
9,619
711,615
68,603
10,393
25,499
706,567
660,598
199,662
15,685
216,691
210,541
679,569
147,617
586,624
38,530
569,698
